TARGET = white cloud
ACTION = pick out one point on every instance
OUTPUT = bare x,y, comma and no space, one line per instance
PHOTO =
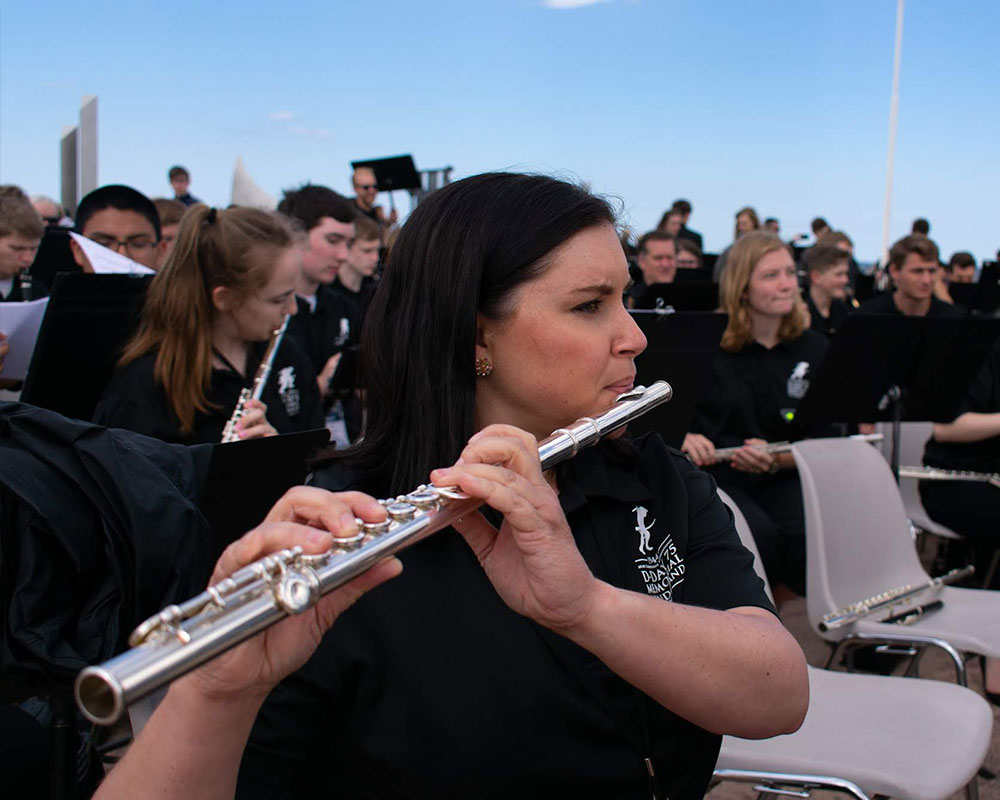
567,4
280,115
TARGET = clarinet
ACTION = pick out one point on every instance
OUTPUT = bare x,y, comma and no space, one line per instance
183,637
229,433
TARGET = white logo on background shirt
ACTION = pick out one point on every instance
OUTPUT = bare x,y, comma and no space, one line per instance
345,332
663,570
288,392
798,383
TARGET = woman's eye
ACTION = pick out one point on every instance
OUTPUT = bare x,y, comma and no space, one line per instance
589,307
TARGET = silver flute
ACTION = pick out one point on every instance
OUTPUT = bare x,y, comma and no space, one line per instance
900,595
722,453
935,474
229,433
183,637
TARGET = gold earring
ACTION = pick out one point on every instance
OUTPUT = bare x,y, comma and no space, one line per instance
484,367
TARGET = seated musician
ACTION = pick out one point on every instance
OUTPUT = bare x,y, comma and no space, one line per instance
210,311
761,372
655,257
826,295
600,625
20,233
913,267
971,442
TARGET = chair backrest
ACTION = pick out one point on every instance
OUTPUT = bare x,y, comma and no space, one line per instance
858,541
746,537
912,438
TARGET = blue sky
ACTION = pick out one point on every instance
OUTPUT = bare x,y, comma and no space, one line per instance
781,105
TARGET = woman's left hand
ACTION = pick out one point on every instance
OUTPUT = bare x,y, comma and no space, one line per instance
532,561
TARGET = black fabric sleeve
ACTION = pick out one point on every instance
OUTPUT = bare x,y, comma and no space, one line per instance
719,570
134,401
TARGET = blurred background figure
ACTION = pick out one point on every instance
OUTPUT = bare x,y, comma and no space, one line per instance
170,212
365,194
180,182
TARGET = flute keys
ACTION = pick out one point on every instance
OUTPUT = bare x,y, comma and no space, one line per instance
423,498
400,511
374,528
297,591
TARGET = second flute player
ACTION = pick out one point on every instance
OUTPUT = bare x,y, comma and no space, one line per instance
590,634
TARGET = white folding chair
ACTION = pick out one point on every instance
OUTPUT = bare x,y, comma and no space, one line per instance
912,438
858,546
867,735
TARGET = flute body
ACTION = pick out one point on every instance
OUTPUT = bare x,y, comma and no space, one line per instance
725,453
229,433
182,637
935,474
848,615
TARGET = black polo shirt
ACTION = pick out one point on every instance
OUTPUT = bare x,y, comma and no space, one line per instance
324,330
431,687
135,401
884,304
983,398
354,305
839,312
755,391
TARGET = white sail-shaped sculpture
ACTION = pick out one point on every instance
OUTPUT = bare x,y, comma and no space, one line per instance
246,192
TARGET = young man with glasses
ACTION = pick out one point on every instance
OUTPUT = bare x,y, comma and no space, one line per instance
122,219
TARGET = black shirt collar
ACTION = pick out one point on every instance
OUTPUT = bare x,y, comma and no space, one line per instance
600,473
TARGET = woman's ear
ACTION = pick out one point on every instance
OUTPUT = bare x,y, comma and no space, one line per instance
484,329
222,298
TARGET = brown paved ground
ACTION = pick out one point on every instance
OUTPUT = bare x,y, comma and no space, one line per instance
934,665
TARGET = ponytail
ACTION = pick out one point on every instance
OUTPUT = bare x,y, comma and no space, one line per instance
232,248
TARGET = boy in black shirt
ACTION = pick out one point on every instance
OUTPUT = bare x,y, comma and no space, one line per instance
321,325
913,266
827,267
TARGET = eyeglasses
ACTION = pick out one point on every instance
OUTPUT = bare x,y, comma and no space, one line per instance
134,245
685,263
367,186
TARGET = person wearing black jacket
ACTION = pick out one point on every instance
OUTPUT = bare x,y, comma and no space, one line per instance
220,297
913,266
826,293
763,369
603,622
322,324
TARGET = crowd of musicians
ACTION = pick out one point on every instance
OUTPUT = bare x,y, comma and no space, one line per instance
528,652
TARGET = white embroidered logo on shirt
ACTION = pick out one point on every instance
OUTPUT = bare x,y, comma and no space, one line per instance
288,392
798,383
345,332
663,570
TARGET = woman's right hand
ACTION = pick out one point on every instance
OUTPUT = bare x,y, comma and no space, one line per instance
310,518
699,449
253,424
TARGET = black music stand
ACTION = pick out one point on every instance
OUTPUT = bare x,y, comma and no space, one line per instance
681,349
982,297
53,256
246,478
693,296
87,323
893,368
392,173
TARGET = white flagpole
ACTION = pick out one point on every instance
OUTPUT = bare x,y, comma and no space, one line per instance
893,116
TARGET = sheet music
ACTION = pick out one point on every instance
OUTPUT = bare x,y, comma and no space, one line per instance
20,322
107,261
